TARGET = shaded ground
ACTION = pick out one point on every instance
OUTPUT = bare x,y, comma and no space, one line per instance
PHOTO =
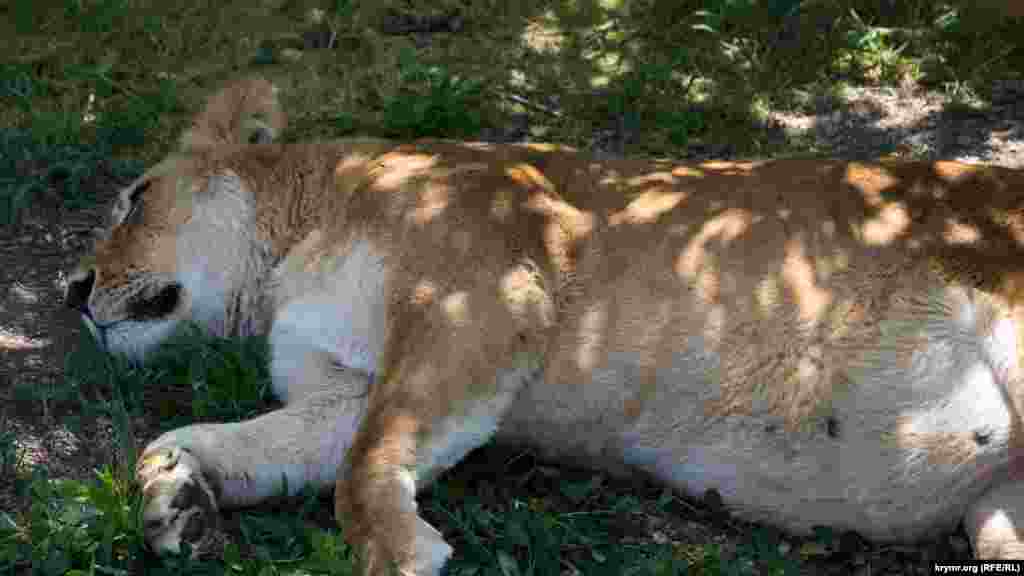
36,333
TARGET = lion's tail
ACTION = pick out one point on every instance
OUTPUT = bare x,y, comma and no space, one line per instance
244,111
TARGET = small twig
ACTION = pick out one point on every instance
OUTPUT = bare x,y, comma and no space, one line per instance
911,33
523,101
1001,55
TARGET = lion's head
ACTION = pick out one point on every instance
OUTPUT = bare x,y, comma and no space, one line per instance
156,264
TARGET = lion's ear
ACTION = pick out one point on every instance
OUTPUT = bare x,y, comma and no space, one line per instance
245,111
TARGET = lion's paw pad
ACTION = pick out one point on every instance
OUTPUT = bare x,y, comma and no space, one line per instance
179,504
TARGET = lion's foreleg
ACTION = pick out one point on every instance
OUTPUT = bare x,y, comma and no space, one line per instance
200,468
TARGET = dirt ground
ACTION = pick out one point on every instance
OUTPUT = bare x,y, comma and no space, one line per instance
37,333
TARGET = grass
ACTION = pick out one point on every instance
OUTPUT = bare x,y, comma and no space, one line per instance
91,91
77,528
61,145
86,81
432,101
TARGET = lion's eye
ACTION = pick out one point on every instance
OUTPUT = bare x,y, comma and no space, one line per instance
131,211
157,306
136,199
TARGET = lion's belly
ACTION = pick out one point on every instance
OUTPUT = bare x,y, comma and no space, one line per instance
898,453
856,486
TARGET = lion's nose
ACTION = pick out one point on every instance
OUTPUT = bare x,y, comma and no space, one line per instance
79,289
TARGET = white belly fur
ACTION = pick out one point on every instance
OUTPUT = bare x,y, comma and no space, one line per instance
900,462
880,476
334,306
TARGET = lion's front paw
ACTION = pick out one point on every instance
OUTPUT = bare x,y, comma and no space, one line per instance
179,504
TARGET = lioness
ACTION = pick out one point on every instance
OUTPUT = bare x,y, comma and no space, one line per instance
823,342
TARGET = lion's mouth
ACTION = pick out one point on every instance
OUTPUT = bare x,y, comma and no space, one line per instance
94,328
98,330
139,309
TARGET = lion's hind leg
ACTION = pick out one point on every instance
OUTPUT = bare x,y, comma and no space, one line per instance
433,407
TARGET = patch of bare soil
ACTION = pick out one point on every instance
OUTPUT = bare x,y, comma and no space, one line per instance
872,121
36,332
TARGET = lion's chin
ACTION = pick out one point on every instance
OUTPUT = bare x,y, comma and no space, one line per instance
135,340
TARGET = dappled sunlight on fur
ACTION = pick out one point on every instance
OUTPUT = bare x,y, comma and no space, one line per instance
824,342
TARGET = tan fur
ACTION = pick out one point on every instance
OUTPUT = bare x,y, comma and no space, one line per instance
245,111
824,342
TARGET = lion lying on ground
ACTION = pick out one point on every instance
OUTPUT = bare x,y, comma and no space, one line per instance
823,342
